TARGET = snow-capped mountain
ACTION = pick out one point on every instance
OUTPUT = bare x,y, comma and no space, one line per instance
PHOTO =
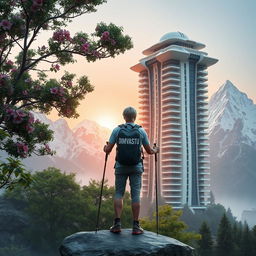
78,150
229,108
232,136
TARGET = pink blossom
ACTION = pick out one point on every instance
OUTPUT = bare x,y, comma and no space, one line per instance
38,2
13,70
96,53
22,149
25,92
85,47
10,111
31,118
20,112
38,87
55,68
54,90
69,83
5,24
61,35
61,91
29,128
63,99
105,36
3,79
113,42
17,119
47,148
9,62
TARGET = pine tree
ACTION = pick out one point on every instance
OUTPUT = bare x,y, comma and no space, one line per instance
254,240
206,243
225,245
246,242
237,236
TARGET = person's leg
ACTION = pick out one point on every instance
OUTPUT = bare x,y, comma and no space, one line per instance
120,183
118,207
135,185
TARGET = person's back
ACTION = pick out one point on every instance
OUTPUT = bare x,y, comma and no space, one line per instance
129,138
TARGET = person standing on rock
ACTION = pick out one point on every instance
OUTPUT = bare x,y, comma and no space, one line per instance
129,139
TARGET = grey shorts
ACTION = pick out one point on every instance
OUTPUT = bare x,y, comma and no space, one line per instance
135,182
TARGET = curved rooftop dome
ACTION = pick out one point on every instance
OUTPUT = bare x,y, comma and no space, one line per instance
174,35
173,38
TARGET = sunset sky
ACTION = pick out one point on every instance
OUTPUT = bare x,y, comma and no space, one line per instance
227,28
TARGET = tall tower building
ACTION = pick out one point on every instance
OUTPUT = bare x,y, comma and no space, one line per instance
174,112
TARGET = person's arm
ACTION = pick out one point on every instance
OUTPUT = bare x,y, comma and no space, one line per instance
108,148
112,140
145,142
151,150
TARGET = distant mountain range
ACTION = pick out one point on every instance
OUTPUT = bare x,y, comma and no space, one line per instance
232,135
78,150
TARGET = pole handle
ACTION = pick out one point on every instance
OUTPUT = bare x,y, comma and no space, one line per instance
155,153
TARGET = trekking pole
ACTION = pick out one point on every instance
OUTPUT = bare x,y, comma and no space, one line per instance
156,187
101,191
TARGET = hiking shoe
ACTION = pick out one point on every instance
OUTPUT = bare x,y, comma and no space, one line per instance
137,229
116,228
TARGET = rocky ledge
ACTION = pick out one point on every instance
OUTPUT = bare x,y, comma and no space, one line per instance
105,243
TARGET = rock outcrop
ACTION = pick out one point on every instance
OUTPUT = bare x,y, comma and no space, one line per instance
105,243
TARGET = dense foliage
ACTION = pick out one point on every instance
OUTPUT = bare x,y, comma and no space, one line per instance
170,225
24,85
57,207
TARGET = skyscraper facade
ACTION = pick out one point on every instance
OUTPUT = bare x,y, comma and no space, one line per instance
174,111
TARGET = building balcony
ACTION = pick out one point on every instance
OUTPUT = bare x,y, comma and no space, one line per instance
168,100
144,101
170,92
172,196
167,136
170,129
170,110
204,155
202,84
170,105
202,97
170,172
203,144
204,168
170,178
173,117
144,96
202,79
204,179
171,146
170,67
143,79
171,81
203,108
172,73
202,72
143,90
144,107
143,85
172,166
144,111
204,185
202,90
